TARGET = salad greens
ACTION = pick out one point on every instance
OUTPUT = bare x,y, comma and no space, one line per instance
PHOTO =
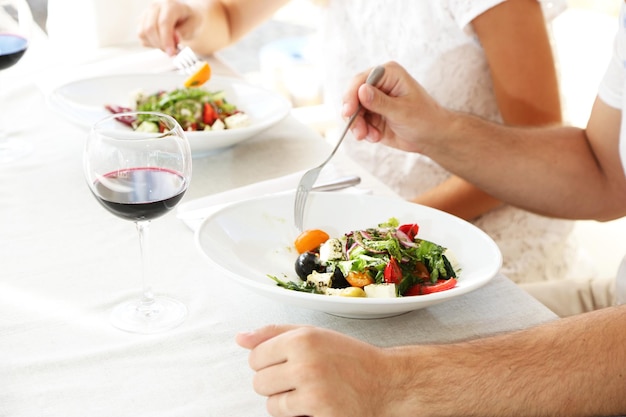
389,253
194,109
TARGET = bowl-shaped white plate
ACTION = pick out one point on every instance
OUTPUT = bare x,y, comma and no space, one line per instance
251,239
83,101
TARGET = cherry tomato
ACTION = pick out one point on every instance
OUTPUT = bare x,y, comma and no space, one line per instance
359,279
209,115
392,272
199,77
409,229
440,285
310,240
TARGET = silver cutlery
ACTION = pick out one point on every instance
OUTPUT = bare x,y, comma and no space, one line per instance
309,177
200,211
186,60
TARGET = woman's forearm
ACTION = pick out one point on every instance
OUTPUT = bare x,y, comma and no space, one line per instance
458,197
224,22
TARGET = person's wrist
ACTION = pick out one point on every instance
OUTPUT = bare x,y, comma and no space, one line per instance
411,388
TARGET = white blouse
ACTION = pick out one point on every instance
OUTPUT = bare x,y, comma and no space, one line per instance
434,40
611,91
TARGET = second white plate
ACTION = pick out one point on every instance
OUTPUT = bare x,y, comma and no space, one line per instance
83,101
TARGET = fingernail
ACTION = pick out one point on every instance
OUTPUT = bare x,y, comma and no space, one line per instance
367,93
344,110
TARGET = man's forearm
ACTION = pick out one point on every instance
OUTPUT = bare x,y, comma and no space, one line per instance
571,367
532,168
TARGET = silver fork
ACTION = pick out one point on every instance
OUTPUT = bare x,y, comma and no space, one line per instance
309,177
186,60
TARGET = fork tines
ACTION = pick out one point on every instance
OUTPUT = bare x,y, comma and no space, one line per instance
186,60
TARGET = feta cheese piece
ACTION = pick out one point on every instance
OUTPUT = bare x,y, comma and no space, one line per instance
380,290
237,120
331,250
136,96
218,125
322,280
146,126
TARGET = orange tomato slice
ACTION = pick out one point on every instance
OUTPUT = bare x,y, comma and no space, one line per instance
310,240
201,76
359,279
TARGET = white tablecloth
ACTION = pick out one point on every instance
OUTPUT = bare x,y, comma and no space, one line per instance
65,262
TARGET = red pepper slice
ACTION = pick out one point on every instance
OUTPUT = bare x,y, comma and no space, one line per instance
392,272
440,285
409,229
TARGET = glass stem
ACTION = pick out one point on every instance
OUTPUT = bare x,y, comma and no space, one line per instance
146,304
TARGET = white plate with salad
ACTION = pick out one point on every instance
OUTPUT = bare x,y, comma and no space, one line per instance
253,243
85,101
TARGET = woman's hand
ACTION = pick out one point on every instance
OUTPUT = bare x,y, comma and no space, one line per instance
165,23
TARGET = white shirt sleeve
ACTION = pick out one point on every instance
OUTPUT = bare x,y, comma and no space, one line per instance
465,11
611,87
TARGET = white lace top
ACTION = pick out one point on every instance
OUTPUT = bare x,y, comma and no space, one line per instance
434,41
612,91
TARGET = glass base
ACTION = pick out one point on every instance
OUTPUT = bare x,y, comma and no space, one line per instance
12,150
163,313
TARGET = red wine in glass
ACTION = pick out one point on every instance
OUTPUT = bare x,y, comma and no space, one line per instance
140,175
140,193
12,48
16,22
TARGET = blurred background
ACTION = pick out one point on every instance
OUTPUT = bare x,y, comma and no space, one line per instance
275,56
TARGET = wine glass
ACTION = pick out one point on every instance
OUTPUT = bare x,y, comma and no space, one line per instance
16,21
138,166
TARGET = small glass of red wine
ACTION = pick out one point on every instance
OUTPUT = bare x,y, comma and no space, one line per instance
16,23
138,167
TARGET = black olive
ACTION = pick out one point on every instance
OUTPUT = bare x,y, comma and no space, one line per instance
308,262
339,281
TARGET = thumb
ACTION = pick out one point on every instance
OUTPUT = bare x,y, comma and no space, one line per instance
250,340
374,100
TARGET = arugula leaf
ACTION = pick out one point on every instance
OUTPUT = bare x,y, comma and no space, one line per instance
291,285
432,255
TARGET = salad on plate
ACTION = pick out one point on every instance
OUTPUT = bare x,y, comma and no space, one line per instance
388,261
195,109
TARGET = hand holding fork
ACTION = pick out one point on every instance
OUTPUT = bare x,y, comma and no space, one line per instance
309,177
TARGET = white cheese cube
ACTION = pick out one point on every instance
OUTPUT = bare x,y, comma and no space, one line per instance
333,291
380,290
136,96
218,125
237,120
331,250
321,280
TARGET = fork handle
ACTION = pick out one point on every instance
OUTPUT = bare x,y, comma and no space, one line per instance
374,76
